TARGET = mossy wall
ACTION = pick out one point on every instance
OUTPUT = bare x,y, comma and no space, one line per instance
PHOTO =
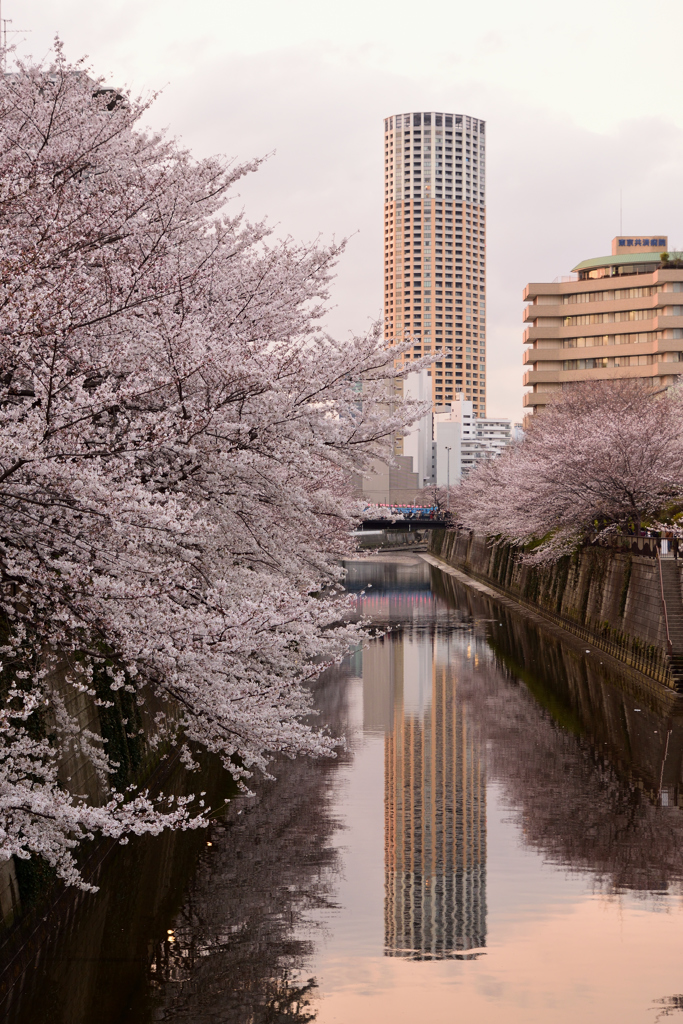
610,597
126,729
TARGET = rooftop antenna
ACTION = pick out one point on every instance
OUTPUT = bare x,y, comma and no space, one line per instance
621,212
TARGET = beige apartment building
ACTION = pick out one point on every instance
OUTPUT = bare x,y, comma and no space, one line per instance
616,316
435,246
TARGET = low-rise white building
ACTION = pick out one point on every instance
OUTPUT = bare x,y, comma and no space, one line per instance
452,440
482,438
418,443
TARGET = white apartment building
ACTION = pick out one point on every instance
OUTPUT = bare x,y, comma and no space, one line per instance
452,440
480,438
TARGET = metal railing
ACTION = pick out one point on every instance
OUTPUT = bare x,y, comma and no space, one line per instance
635,544
669,645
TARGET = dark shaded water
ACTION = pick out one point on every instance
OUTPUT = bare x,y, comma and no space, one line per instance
502,841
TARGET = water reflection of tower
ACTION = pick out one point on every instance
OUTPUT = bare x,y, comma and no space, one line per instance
435,811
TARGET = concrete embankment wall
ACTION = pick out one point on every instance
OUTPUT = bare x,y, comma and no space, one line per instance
127,729
609,597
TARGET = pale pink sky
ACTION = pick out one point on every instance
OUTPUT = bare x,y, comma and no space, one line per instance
580,102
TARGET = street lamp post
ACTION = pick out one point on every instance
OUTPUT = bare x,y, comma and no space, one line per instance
448,472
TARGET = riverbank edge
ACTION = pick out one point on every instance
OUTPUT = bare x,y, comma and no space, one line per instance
608,596
646,688
22,940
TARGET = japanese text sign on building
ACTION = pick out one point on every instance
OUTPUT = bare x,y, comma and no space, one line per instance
644,243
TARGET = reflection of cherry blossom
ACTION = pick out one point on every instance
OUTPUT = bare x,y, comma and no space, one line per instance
670,1005
574,768
243,936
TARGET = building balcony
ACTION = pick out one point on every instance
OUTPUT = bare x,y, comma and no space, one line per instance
560,376
658,346
534,398
545,376
571,285
562,286
660,300
653,325
555,354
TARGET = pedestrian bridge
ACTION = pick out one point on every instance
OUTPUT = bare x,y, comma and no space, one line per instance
405,517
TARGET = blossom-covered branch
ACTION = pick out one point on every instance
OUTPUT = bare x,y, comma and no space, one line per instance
605,456
177,434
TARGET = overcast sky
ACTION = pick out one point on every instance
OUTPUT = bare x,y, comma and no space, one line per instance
580,100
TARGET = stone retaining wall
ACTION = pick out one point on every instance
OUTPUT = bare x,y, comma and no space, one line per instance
609,597
127,730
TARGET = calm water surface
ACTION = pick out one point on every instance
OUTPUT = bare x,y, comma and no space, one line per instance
501,841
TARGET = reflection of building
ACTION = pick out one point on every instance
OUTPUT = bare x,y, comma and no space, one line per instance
435,815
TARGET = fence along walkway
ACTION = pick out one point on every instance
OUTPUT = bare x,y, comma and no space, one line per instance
673,601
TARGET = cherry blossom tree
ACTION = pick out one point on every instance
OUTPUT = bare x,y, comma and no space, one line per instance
605,456
177,434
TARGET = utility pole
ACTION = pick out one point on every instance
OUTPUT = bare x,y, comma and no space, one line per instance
448,476
4,22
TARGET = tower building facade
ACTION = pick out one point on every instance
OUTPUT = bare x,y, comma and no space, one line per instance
435,246
616,316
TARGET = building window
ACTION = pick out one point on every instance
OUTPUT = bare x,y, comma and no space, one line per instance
604,363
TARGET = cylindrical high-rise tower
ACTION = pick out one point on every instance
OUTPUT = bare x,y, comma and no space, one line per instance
435,246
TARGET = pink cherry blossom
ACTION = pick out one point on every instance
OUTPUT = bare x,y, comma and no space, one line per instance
605,456
178,435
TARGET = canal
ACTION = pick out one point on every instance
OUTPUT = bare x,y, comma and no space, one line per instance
501,840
